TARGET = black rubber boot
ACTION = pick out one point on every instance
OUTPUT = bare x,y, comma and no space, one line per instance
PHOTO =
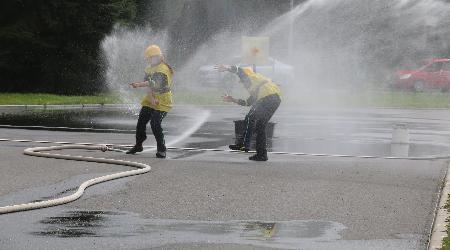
238,147
135,149
258,157
160,154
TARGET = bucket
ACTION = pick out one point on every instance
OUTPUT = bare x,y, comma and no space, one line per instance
239,129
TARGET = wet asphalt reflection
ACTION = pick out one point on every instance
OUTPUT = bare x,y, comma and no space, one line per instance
343,132
355,132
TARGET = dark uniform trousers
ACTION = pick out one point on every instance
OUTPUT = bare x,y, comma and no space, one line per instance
257,119
155,117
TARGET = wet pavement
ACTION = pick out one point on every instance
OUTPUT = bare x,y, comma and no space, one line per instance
314,131
220,200
107,228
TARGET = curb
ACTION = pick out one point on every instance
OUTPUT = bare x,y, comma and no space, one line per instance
439,231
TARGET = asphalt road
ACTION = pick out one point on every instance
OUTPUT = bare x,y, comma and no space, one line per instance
220,200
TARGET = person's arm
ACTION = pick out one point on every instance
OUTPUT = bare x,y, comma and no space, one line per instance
250,100
243,78
153,87
140,84
239,72
158,79
159,83
228,98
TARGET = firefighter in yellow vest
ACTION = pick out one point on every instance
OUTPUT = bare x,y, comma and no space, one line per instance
264,99
158,101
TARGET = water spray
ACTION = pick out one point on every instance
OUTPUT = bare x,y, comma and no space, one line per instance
203,117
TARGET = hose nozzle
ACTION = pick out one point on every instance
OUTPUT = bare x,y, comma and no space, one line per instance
105,147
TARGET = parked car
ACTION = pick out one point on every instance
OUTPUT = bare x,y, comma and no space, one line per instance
434,74
279,72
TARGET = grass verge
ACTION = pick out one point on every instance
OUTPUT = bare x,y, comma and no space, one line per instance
394,99
51,99
380,99
446,241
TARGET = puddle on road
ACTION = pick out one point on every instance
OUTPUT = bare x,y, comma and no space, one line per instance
75,224
106,224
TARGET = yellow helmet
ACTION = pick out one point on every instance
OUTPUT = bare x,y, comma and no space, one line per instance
152,50
247,70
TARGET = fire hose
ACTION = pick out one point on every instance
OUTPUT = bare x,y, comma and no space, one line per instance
44,152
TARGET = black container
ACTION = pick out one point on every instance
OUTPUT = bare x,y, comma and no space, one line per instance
239,129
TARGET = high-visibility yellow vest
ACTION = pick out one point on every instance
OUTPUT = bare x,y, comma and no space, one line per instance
164,100
261,86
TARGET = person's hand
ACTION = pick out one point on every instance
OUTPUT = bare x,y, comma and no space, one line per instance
222,67
227,98
155,101
134,85
139,84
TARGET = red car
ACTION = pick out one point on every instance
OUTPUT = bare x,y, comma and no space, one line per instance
434,74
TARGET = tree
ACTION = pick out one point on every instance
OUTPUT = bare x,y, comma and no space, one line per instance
53,46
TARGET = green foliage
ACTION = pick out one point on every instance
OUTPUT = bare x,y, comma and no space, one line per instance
446,240
53,46
51,99
371,98
212,97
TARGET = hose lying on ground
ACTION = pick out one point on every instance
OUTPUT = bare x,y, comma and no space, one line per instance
38,151
142,168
